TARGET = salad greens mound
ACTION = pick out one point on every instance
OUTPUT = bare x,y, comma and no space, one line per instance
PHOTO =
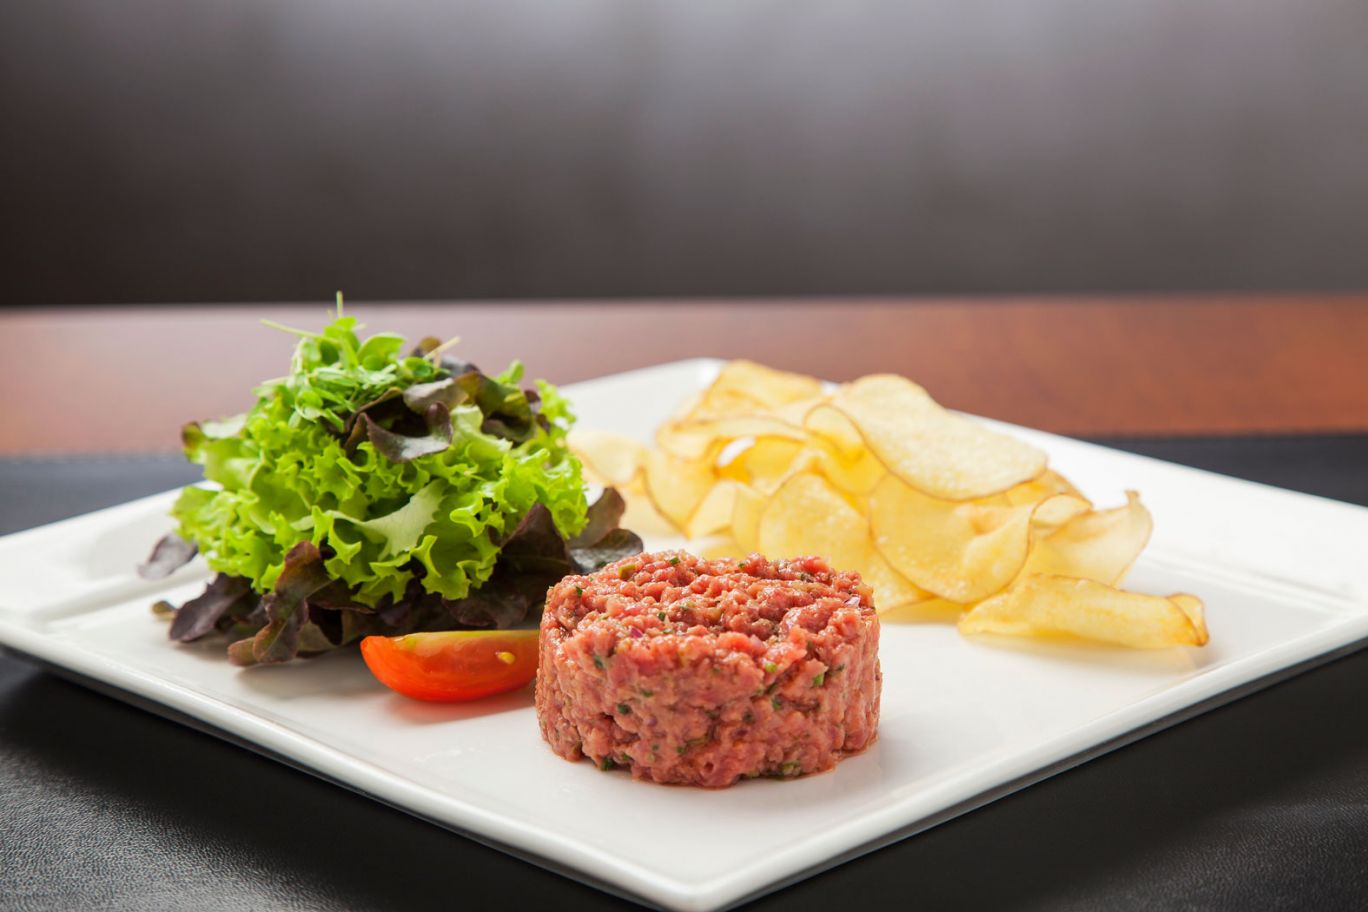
374,490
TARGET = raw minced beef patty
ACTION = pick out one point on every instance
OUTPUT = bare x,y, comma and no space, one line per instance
707,671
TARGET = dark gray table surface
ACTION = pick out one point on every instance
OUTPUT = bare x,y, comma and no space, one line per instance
1261,804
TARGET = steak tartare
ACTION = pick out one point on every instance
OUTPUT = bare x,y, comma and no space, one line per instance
704,672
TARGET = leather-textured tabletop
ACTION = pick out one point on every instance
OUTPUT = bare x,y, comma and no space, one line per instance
1262,804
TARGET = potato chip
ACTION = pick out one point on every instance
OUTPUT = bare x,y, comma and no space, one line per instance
768,462
1059,606
844,458
741,389
641,515
677,486
892,590
714,511
795,413
1057,509
857,476
764,386
1099,546
746,512
681,444
807,516
960,551
693,438
831,426
1058,484
766,457
1047,484
938,513
935,451
608,458
1195,610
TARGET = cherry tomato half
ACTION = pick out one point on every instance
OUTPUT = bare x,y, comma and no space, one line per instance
453,664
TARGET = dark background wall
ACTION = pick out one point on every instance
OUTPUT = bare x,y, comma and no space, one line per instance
162,150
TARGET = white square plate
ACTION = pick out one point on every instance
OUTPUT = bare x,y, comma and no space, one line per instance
964,722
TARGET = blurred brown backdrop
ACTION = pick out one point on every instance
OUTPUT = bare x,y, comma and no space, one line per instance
157,150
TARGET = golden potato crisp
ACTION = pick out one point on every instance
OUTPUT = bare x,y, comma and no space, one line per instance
935,451
962,551
1060,606
609,459
933,509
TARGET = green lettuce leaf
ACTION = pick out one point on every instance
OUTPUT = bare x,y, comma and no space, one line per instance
309,611
411,504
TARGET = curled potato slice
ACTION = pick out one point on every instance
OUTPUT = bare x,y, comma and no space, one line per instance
741,390
764,386
892,590
714,511
939,513
1042,605
1058,509
746,512
1100,545
960,551
641,516
677,486
808,516
768,462
857,476
1047,484
831,426
608,458
933,450
694,438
